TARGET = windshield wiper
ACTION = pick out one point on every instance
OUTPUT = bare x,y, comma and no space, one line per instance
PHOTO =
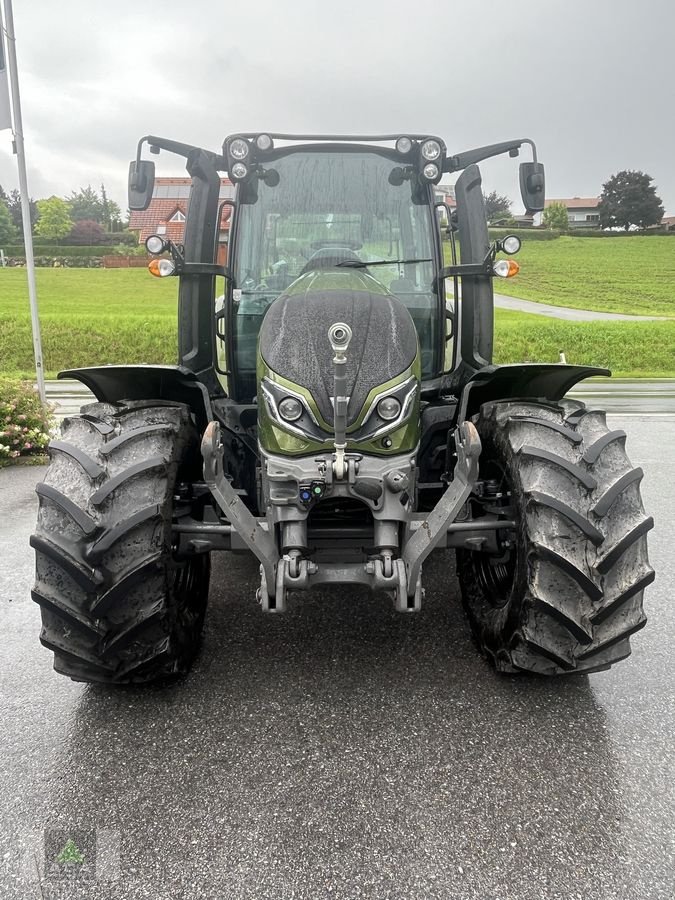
363,264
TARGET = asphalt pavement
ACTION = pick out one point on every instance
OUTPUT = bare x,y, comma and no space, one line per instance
341,750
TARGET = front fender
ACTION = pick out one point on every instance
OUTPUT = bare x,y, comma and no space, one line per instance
111,384
550,381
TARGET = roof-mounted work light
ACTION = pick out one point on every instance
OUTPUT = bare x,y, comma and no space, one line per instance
430,160
239,154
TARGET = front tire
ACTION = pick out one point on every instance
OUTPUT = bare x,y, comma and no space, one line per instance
117,606
568,593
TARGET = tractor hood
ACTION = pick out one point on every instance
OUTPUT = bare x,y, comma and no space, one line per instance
293,340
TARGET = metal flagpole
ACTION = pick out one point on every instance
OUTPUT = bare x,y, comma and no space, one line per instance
23,188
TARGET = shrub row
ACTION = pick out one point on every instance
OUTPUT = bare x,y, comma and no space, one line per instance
592,233
56,250
526,234
69,262
51,245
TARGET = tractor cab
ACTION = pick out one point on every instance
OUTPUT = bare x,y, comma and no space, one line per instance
328,204
325,210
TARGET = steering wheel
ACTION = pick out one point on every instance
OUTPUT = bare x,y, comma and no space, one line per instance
328,256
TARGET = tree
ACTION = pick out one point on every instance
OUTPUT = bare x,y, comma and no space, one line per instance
13,201
54,221
628,200
8,232
111,212
496,207
87,233
555,216
85,204
14,204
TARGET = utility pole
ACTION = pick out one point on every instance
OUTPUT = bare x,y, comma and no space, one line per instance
8,31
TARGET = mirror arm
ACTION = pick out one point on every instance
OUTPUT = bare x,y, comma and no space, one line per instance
159,143
469,157
482,268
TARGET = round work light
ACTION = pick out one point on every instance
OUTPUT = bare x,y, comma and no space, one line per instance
431,150
404,145
264,142
155,244
511,244
239,148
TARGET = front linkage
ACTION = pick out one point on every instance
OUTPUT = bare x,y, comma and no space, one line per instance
281,572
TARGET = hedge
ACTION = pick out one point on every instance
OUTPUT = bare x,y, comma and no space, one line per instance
42,245
526,234
592,233
68,262
57,250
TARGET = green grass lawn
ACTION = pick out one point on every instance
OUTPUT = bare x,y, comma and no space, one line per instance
88,317
628,349
634,275
97,316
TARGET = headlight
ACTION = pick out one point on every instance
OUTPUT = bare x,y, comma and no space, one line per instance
431,150
239,170
290,409
239,148
431,171
388,408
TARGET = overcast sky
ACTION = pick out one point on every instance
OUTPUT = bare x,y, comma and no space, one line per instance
591,81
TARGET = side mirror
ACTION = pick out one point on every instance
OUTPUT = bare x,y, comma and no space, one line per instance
141,183
532,186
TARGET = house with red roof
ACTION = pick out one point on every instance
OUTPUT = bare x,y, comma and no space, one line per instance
167,210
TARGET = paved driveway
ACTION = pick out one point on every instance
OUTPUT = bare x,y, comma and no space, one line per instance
341,750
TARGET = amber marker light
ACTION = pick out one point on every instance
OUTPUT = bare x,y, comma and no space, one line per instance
506,268
160,268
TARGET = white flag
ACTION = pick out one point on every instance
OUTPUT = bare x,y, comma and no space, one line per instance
5,114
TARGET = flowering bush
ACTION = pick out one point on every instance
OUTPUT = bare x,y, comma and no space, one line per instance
24,422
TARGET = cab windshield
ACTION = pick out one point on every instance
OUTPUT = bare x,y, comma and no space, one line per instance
323,208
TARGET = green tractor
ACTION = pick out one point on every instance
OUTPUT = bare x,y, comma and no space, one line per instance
336,413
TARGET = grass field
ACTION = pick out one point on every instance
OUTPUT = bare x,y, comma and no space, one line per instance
633,275
628,349
88,317
97,316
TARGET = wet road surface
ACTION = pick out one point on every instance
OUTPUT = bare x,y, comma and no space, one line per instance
341,751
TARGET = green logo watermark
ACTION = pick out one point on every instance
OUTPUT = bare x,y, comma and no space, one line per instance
70,855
